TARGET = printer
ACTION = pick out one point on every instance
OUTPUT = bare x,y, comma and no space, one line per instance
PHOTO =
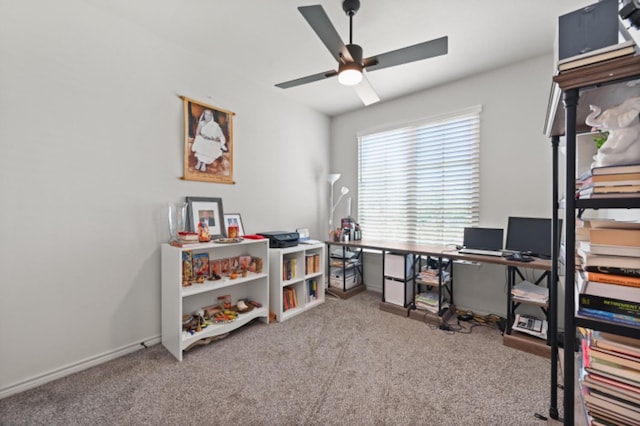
281,239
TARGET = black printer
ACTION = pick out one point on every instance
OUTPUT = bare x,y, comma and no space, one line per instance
281,239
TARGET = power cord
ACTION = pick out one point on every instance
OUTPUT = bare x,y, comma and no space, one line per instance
466,321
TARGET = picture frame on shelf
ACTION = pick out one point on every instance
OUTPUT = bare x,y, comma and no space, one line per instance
207,210
208,142
234,218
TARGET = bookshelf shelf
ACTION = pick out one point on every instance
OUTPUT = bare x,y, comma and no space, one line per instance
602,84
296,279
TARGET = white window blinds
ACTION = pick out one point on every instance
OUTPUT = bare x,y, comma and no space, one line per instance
420,183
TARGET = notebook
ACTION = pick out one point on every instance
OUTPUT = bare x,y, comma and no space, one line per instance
484,241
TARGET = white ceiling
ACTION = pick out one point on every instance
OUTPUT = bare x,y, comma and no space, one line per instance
269,42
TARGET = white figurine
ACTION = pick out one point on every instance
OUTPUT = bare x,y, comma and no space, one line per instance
622,123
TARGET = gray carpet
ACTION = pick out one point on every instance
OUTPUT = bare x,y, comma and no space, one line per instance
344,362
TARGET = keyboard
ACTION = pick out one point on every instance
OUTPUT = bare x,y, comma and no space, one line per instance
481,252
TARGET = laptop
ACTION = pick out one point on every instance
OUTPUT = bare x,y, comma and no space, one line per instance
483,241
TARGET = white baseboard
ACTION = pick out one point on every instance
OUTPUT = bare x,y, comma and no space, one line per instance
75,367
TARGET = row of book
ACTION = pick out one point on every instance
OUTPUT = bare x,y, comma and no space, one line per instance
312,290
619,181
289,298
427,301
289,268
608,287
312,264
610,378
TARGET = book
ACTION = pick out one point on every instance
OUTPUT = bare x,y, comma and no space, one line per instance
609,278
615,250
598,55
609,316
612,179
605,302
615,237
615,224
608,195
192,245
591,259
610,270
612,170
606,189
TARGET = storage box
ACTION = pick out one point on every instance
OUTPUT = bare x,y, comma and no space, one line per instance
344,281
398,292
398,266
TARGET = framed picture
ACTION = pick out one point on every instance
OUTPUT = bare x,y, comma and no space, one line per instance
208,142
206,210
234,219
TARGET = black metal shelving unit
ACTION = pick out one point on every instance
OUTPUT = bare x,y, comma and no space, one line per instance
602,84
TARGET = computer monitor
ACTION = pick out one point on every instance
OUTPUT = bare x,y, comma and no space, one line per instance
530,235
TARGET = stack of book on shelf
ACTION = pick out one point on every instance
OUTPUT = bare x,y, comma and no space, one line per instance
530,292
531,325
583,226
619,181
625,48
611,380
427,301
609,285
431,277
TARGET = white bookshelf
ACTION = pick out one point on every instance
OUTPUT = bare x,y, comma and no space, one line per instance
307,283
178,300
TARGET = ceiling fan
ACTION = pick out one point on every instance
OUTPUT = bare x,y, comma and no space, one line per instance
350,61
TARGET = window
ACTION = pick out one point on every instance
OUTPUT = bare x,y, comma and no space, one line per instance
420,182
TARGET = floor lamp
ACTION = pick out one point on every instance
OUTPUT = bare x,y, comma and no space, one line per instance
332,179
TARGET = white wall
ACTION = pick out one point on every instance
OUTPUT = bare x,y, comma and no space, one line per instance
91,136
515,156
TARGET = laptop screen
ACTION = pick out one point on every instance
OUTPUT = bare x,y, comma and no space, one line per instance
483,238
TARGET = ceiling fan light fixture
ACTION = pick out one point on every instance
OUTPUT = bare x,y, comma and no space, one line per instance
350,74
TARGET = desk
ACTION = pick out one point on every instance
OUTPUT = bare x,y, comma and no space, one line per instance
518,340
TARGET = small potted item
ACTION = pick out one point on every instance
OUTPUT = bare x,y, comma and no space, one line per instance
225,301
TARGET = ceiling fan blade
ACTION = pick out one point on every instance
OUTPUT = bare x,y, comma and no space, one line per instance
365,92
307,79
319,21
417,52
